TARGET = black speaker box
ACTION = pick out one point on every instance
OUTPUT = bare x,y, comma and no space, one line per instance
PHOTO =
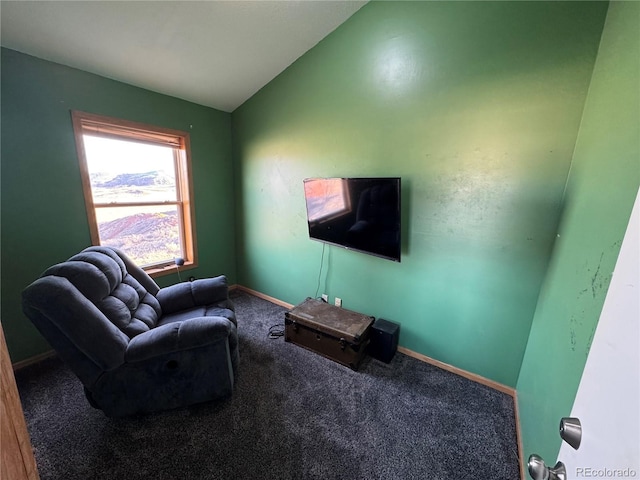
384,340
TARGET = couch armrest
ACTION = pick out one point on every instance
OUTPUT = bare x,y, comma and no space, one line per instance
185,295
178,336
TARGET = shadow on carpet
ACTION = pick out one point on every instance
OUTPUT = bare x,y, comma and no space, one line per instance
293,415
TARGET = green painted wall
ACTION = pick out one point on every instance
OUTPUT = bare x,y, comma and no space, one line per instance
43,213
477,106
604,180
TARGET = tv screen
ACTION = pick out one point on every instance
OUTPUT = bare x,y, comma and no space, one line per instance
361,214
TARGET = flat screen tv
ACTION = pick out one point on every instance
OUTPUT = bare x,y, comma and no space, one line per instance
361,214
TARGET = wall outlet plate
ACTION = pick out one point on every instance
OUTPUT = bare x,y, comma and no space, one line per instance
325,298
338,302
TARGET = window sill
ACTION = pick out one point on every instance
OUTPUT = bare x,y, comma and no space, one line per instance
169,269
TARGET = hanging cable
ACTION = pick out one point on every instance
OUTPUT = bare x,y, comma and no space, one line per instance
320,274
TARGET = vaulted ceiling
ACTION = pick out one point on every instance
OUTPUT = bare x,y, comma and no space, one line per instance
215,53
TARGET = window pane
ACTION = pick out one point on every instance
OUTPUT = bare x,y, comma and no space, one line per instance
148,235
126,171
326,198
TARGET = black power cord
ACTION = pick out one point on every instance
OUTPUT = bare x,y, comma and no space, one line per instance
276,331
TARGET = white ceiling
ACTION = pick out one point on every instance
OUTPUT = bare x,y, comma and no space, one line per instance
215,53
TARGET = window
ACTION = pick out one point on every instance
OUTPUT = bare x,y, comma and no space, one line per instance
327,198
138,189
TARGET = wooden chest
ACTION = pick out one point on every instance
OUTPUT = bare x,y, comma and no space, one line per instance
333,332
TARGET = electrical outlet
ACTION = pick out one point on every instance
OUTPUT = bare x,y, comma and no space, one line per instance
325,298
338,302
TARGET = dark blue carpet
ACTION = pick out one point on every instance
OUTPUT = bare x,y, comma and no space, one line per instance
293,415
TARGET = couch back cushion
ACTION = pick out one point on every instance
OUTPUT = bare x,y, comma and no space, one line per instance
101,276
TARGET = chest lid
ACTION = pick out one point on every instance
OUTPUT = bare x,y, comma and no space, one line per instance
335,321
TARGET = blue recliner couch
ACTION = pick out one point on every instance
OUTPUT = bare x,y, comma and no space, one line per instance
135,347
